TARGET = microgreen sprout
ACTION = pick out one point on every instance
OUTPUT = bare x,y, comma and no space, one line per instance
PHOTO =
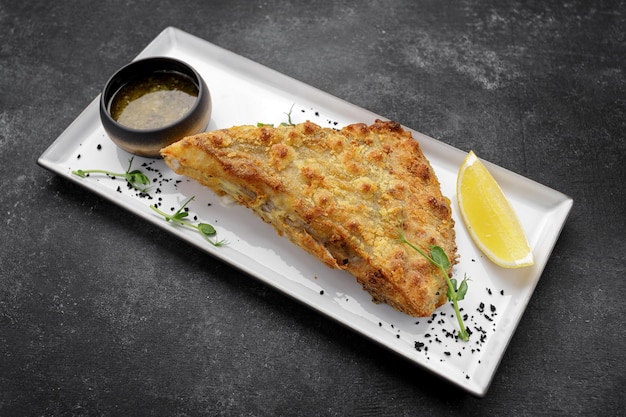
180,218
287,123
456,292
135,178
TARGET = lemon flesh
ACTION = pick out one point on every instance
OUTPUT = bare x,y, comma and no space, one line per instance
488,216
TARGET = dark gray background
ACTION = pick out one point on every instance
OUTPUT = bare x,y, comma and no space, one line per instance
102,313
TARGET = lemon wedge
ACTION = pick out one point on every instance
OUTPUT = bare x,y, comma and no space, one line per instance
489,217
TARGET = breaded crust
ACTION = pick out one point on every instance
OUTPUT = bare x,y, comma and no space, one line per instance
341,195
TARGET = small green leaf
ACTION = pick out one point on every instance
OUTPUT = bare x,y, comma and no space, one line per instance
137,176
206,229
450,294
440,257
460,294
179,215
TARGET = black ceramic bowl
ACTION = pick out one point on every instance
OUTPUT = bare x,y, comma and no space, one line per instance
148,139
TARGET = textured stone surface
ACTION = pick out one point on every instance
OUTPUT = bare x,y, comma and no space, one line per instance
103,314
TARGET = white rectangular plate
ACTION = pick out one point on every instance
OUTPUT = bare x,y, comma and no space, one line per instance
245,92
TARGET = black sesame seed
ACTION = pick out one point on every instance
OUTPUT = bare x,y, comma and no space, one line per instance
99,147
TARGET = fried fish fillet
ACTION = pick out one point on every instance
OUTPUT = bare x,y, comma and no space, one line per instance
342,195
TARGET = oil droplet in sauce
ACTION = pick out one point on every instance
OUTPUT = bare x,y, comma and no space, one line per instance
155,101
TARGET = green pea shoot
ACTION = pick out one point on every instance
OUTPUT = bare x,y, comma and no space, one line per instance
456,292
180,218
287,123
135,178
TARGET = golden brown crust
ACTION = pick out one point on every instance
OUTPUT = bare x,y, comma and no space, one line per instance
340,195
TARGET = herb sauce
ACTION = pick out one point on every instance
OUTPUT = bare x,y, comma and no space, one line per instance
155,101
